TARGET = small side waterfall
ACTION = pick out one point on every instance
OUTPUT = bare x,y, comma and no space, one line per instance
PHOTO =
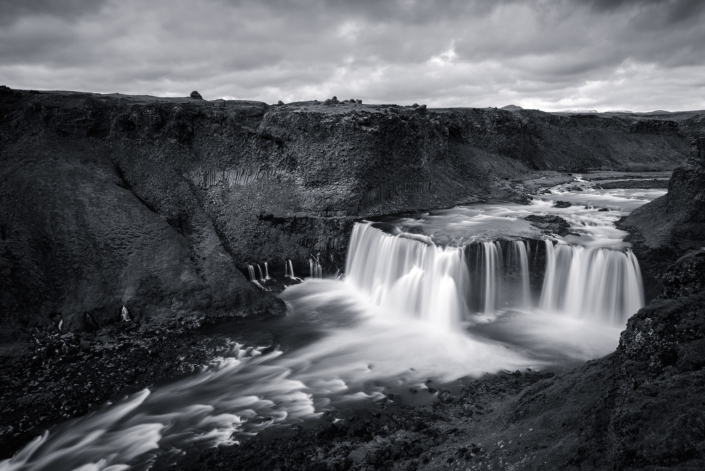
266,271
289,269
408,276
315,268
253,276
592,282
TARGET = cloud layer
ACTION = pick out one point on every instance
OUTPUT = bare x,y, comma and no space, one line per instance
595,54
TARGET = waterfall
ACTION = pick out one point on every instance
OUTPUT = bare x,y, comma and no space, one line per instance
289,269
253,277
408,276
500,276
315,268
548,296
266,271
490,280
598,283
521,259
259,269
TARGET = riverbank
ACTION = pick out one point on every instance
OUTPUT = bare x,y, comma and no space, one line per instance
55,376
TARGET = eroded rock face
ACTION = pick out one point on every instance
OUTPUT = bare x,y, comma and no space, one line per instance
666,228
162,203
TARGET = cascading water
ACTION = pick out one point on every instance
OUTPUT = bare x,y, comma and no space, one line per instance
409,274
408,277
492,283
519,254
315,268
592,282
289,270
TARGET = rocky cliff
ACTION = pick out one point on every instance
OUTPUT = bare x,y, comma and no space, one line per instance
668,227
162,203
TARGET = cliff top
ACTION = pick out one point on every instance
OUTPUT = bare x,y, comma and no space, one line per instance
331,106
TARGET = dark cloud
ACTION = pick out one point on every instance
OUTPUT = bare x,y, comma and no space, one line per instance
668,11
553,54
12,10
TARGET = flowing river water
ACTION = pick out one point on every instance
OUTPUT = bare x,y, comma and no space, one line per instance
437,296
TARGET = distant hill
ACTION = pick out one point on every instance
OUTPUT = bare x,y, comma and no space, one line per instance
576,111
511,108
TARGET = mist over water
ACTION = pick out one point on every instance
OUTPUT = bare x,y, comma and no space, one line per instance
444,295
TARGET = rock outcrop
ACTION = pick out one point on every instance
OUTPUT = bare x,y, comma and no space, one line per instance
162,203
550,224
668,227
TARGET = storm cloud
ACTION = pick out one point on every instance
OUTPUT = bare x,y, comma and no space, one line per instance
595,54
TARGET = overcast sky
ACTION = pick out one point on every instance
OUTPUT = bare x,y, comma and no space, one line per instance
638,55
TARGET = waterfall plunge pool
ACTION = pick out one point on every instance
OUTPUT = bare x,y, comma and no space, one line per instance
432,297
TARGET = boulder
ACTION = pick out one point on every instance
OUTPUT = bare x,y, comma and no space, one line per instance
550,224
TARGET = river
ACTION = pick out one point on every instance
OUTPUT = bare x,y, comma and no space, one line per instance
434,297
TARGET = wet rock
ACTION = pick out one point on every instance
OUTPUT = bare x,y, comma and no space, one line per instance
550,224
562,204
90,323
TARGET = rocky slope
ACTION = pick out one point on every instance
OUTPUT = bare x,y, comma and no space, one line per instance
162,203
680,216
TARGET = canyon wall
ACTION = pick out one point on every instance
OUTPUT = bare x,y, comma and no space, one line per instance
668,227
162,203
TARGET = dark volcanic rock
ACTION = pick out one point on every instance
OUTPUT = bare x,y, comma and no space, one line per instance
686,277
562,204
666,228
196,95
550,224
